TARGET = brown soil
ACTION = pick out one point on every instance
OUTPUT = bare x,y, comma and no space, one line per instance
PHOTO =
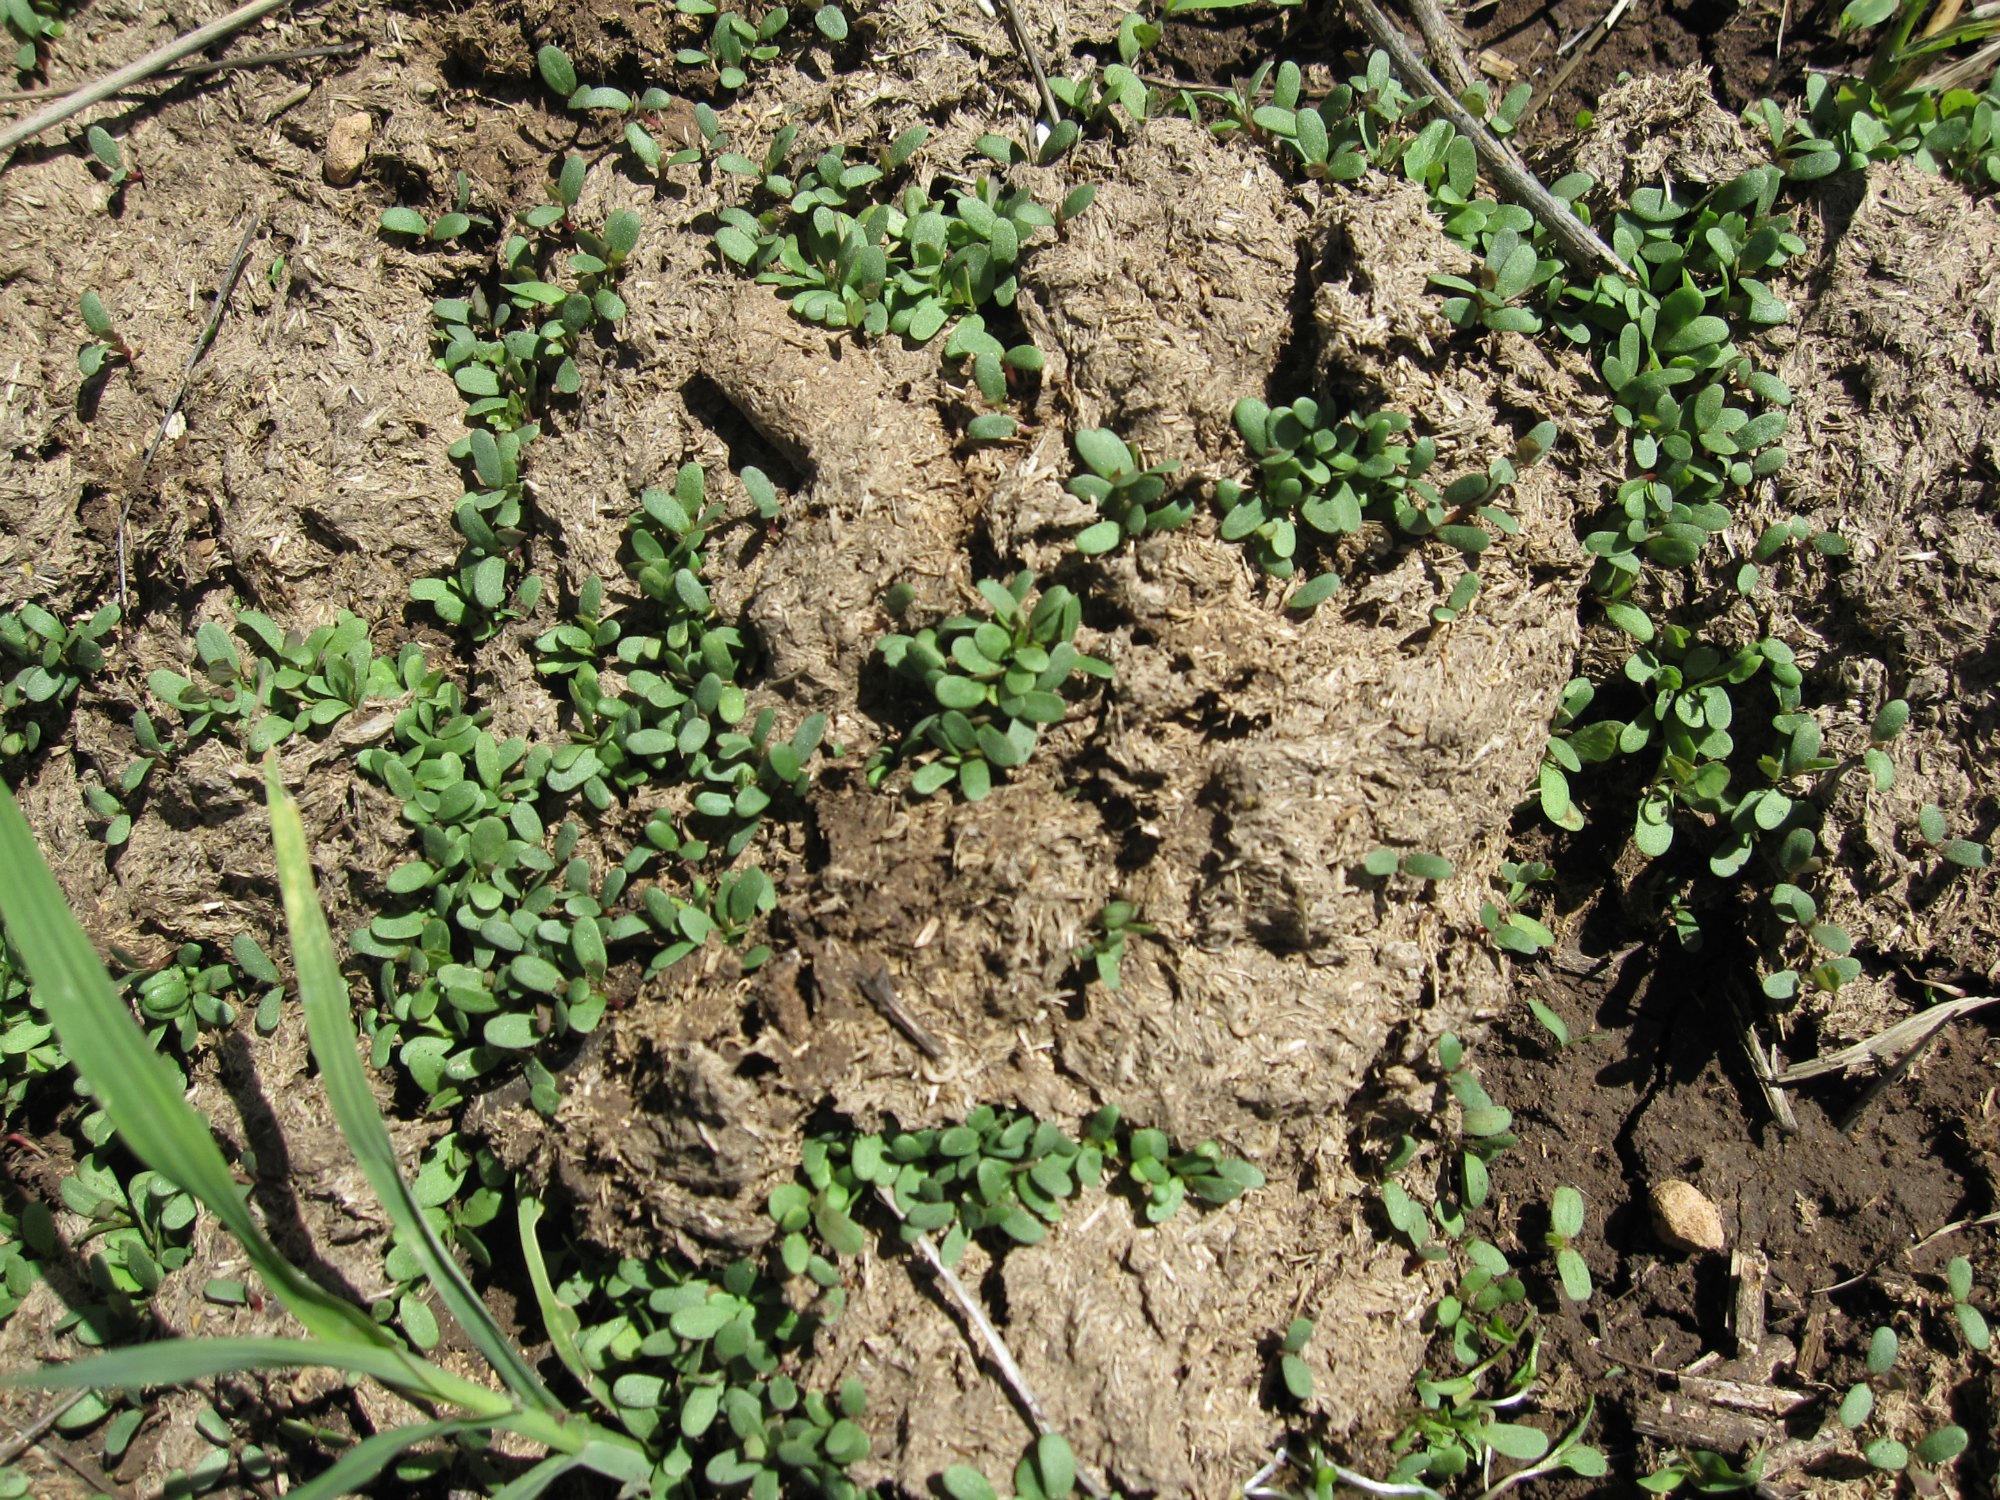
1230,781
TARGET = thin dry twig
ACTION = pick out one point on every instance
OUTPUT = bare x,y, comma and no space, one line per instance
996,1346
1768,1079
880,989
1589,43
1574,239
25,1439
1032,58
201,69
1441,41
207,337
160,57
1957,1226
1908,1034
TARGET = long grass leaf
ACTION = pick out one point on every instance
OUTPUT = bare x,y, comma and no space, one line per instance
561,1322
537,1479
178,1361
138,1088
335,1047
369,1457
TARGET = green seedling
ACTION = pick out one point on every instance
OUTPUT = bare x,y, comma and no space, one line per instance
1485,1340
1705,1473
1321,479
1117,923
107,346
1972,1325
1565,1225
992,363
736,40
997,679
1047,1471
1381,864
1294,1374
1514,931
1511,271
1100,96
44,662
287,685
1882,1450
34,25
453,223
1126,490
1002,1176
30,1051
1935,833
110,158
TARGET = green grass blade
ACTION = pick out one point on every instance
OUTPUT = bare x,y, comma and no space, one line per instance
369,1457
537,1479
335,1047
561,1322
138,1089
178,1361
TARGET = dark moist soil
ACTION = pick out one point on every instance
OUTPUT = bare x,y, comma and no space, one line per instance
1517,40
1653,1087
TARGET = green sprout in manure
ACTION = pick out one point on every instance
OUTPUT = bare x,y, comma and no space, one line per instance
1126,489
1117,923
109,156
107,346
1000,1174
992,363
997,679
44,662
1512,930
1511,270
1321,478
446,227
1381,864
1778,540
851,259
1935,834
1294,1374
1882,1450
1047,1471
34,24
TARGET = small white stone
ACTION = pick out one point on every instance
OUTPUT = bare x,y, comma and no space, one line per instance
1685,1218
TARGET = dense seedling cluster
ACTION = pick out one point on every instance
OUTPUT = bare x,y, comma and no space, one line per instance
510,345
42,664
681,709
1321,477
997,679
1001,1173
851,258
1848,123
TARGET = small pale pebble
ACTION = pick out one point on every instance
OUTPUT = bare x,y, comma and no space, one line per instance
1684,1217
347,148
